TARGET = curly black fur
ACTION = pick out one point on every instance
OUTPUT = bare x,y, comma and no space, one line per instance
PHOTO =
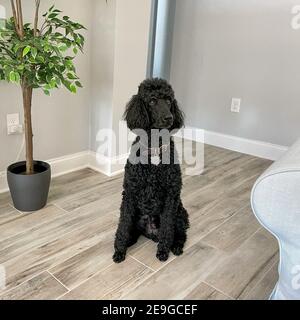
151,202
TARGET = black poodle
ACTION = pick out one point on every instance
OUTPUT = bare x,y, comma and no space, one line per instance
151,202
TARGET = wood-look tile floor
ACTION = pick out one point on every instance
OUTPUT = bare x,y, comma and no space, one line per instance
64,251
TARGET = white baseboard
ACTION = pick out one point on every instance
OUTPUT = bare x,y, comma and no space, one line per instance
77,161
108,166
112,166
252,147
59,166
68,163
3,182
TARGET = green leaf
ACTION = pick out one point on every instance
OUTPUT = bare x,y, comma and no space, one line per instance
63,48
62,69
53,83
16,47
78,84
71,76
48,78
47,92
12,76
40,59
33,52
47,48
73,88
56,51
17,76
52,15
26,50
79,40
49,31
66,83
75,50
69,64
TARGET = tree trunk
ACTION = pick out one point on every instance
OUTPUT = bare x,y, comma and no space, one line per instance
27,101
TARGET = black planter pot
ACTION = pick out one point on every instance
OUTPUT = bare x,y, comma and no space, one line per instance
29,192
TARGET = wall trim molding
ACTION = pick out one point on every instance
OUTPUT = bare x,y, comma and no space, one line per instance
3,182
112,166
68,163
109,166
255,148
59,166
78,161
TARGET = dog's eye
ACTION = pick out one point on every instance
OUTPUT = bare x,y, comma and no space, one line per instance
152,102
169,101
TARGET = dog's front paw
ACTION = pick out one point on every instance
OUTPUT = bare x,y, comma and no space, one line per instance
162,255
178,251
119,256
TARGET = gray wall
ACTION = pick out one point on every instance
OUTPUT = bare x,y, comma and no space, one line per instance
233,48
60,121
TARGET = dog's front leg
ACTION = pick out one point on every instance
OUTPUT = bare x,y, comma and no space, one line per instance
124,228
166,229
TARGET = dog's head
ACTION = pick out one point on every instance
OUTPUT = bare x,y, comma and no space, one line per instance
154,107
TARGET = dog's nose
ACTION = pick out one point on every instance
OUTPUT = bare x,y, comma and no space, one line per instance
168,118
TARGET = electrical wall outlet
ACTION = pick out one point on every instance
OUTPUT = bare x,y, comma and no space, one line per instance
13,124
236,105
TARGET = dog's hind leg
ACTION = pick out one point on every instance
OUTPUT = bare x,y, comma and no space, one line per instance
181,226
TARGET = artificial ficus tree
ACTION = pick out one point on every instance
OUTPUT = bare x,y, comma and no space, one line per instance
39,57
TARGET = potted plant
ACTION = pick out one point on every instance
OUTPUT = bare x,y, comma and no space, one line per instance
37,58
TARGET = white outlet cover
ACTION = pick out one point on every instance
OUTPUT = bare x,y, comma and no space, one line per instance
236,105
13,119
15,129
13,124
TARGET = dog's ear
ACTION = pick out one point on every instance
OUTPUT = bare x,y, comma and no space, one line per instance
178,116
136,114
